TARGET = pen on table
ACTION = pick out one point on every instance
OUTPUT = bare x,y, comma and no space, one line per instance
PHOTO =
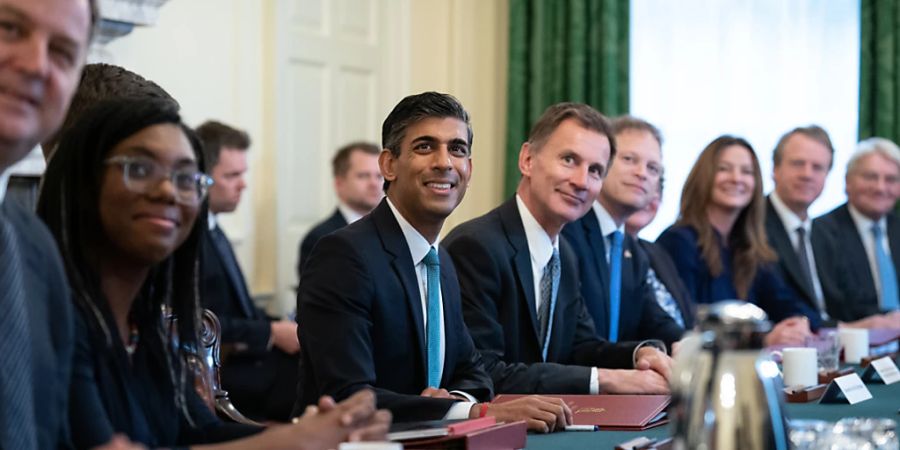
582,428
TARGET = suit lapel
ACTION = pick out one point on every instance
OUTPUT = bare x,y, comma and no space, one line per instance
401,262
854,246
229,263
778,237
449,291
598,249
515,233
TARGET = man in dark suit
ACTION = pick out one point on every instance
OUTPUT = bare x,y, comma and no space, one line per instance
520,282
808,257
357,183
37,79
868,234
379,304
260,368
613,271
669,291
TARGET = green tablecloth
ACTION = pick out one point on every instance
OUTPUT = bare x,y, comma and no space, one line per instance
884,403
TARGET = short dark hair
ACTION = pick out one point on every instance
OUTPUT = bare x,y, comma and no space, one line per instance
216,136
101,82
340,164
813,132
417,107
627,122
585,115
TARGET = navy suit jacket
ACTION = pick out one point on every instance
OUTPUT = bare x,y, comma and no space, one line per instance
834,273
843,230
768,290
667,273
51,323
640,317
361,323
494,263
333,223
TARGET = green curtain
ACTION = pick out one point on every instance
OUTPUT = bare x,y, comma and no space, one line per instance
563,50
879,72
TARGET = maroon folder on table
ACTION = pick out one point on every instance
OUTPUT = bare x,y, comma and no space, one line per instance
503,436
612,412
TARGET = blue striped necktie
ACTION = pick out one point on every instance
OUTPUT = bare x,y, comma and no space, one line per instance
17,429
615,283
433,317
886,273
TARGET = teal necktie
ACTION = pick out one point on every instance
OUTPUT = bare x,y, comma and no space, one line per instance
433,314
615,283
886,273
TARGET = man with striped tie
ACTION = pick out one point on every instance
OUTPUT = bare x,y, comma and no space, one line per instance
41,55
520,281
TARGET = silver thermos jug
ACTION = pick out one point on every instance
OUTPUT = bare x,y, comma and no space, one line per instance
726,393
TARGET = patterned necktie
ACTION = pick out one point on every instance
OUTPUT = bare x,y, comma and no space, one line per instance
549,287
17,430
886,273
433,317
803,255
615,283
664,298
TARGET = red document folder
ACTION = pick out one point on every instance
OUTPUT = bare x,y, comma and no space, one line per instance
612,412
504,436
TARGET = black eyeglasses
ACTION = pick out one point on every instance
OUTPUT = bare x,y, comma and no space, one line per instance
141,175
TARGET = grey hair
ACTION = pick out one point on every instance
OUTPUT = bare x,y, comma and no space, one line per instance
882,146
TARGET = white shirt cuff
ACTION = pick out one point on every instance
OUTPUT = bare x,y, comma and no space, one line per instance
595,381
459,410
464,395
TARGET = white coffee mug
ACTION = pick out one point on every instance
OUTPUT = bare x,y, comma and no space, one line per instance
800,366
855,342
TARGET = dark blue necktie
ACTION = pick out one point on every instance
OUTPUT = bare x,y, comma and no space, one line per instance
223,246
549,287
886,273
17,430
615,283
433,314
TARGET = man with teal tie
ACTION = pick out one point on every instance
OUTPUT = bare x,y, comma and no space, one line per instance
867,231
520,281
379,306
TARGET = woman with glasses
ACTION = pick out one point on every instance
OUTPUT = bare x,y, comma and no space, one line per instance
719,242
123,196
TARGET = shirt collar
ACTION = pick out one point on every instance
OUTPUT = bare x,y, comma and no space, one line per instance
350,215
607,224
212,222
418,245
540,246
789,218
863,223
4,180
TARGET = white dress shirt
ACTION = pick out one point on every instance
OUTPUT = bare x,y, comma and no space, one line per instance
864,227
541,246
350,215
4,180
607,226
791,222
418,248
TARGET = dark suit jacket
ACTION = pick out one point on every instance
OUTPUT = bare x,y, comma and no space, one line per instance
843,231
640,317
667,273
361,323
225,293
837,286
496,279
50,315
333,223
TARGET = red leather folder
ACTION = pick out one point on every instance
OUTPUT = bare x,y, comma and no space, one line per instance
504,436
612,412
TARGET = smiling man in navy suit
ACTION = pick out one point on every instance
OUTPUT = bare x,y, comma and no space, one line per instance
520,281
379,305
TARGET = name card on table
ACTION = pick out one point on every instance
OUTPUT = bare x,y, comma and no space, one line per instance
846,389
882,370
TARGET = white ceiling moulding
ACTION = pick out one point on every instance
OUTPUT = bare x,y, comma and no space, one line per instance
117,19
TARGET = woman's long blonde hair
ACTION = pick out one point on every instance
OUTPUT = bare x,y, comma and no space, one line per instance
747,239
